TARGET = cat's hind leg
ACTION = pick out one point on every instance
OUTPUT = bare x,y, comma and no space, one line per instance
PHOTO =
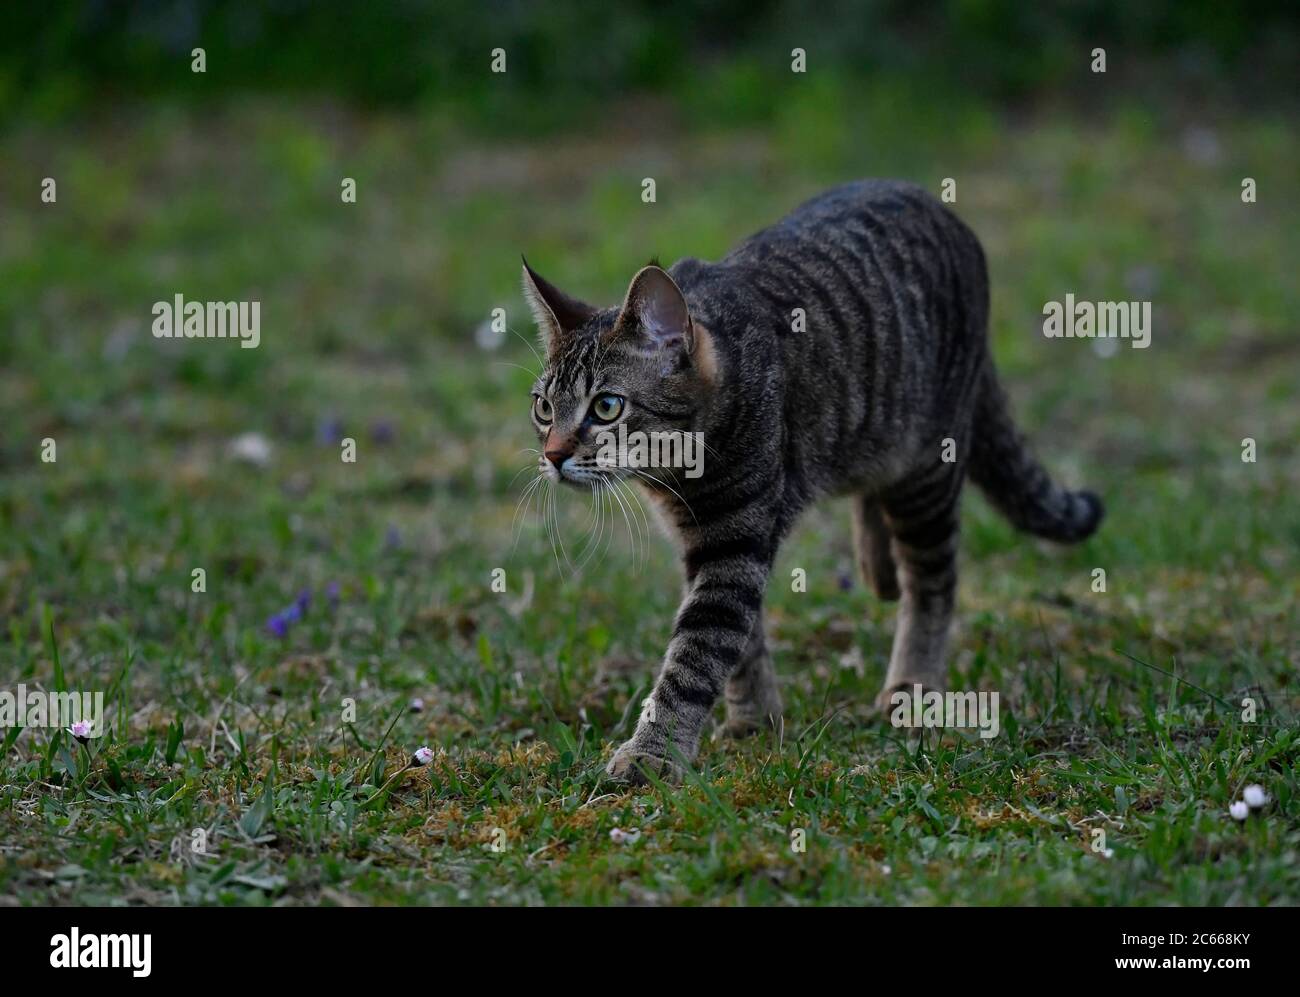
753,701
923,517
871,541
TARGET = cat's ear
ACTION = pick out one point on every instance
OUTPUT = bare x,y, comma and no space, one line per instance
555,312
656,312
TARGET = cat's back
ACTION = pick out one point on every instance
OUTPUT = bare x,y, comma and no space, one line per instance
868,261
851,216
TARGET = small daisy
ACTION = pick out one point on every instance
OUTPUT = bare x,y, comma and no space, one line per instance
621,837
422,756
417,705
81,730
251,448
1239,810
1254,796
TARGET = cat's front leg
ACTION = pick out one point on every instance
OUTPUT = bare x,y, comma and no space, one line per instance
713,628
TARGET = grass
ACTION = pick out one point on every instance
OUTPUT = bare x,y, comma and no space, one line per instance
1120,709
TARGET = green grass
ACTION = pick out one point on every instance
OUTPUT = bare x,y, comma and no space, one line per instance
1120,710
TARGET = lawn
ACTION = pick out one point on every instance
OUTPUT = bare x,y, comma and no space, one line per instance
280,744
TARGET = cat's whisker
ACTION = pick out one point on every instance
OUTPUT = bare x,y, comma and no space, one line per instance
607,498
532,349
611,484
593,529
595,524
521,508
663,484
605,534
608,484
508,363
526,467
646,532
522,495
559,532
708,448
588,529
629,517
624,462
536,495
552,526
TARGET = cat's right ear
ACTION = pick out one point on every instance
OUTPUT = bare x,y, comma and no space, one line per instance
555,312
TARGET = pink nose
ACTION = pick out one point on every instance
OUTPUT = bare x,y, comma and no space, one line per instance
557,456
557,447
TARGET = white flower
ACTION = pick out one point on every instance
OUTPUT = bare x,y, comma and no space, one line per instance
417,705
488,337
1239,810
621,837
252,448
81,729
423,756
1254,796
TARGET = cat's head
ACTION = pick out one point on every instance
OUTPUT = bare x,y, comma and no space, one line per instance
644,367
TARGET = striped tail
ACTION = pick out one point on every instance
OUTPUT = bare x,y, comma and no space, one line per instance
1003,466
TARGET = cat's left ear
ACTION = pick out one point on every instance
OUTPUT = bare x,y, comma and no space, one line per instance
656,313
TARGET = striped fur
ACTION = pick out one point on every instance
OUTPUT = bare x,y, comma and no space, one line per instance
890,360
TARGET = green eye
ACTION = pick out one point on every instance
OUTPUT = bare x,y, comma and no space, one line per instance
607,408
542,409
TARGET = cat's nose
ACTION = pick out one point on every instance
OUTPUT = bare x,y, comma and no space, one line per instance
557,456
557,448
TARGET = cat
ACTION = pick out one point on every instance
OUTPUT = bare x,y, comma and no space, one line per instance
843,350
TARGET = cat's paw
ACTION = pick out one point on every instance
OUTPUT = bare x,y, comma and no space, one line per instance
631,763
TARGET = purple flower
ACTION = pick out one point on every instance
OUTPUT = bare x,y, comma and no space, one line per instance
846,581
382,431
422,756
392,538
329,431
81,730
295,611
332,594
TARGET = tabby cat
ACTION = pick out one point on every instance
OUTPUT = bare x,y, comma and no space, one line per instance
843,350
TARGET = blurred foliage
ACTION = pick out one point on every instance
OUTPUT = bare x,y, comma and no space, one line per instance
566,57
